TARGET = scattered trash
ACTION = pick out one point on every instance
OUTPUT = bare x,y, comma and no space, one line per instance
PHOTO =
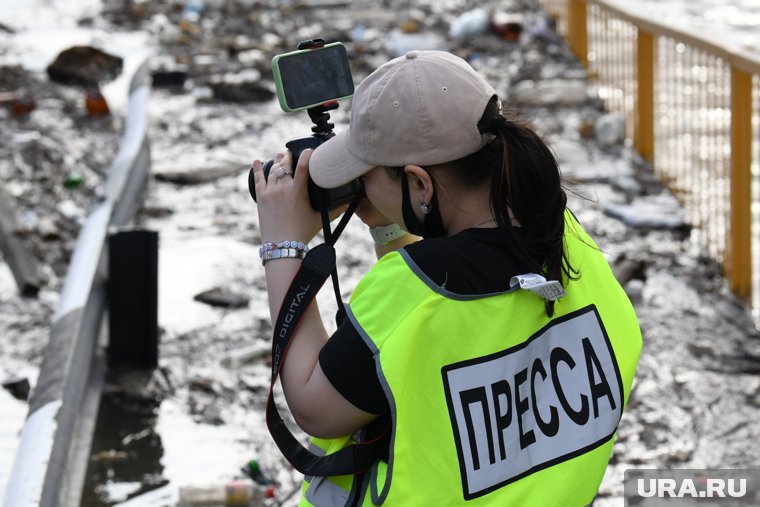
6,28
252,469
189,30
18,387
168,78
626,270
634,289
358,34
18,104
203,384
193,10
135,437
110,456
246,355
73,180
469,23
545,29
570,152
84,65
586,128
70,209
506,25
609,130
651,212
398,43
565,92
627,184
222,298
95,103
239,492
48,230
241,88
410,25
15,251
195,175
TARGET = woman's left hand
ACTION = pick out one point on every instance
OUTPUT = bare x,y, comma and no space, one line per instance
283,201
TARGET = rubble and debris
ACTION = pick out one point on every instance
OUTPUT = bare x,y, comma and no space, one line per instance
609,130
95,103
652,212
556,92
507,25
222,298
246,355
15,251
18,387
469,23
19,105
169,78
218,368
85,66
196,175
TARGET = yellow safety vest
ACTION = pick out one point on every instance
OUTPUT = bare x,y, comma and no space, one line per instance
492,402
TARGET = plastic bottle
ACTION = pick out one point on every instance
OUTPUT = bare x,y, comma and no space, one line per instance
96,103
73,180
236,493
253,470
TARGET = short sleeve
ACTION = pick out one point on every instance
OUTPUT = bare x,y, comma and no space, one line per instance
349,365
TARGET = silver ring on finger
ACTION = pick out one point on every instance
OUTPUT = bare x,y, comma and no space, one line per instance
281,172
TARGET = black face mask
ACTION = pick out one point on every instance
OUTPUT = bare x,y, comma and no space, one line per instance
432,225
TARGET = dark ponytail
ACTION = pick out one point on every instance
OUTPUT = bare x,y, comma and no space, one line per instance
525,178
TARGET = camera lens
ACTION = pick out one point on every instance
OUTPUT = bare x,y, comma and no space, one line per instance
252,184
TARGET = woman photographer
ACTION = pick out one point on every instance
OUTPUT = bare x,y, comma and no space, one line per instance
491,346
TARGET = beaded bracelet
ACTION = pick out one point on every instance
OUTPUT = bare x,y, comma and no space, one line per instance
282,250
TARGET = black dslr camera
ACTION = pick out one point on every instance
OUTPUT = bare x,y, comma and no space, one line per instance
314,78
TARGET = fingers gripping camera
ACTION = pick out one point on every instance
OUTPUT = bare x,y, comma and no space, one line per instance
318,197
313,78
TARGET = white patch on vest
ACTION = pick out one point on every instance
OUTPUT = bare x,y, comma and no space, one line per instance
547,400
550,290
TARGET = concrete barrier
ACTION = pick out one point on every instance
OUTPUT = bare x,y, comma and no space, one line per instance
53,451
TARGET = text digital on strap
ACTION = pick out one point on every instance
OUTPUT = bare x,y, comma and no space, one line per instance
315,269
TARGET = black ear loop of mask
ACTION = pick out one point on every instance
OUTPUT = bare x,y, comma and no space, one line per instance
432,224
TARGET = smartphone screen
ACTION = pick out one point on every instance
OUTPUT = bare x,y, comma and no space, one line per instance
311,77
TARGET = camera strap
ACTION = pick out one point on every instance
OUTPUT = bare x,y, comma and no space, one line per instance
318,264
331,237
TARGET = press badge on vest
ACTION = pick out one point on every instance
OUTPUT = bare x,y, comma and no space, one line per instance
551,398
550,290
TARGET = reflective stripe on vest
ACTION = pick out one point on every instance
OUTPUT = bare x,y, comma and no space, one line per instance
519,410
322,491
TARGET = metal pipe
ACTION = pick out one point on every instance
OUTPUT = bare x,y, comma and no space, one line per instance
54,443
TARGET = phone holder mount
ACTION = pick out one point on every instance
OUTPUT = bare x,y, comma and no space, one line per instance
321,132
319,115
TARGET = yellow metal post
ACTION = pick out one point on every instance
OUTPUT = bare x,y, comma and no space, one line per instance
738,265
643,135
577,31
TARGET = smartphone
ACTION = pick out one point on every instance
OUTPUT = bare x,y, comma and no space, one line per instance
310,77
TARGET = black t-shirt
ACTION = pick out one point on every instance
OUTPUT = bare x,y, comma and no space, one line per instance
472,262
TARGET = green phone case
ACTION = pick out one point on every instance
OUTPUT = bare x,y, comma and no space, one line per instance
279,84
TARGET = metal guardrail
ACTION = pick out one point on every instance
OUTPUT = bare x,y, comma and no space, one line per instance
692,107
53,451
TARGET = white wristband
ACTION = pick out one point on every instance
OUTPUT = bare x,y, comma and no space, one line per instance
384,234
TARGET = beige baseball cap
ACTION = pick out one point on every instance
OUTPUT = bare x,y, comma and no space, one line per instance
421,108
